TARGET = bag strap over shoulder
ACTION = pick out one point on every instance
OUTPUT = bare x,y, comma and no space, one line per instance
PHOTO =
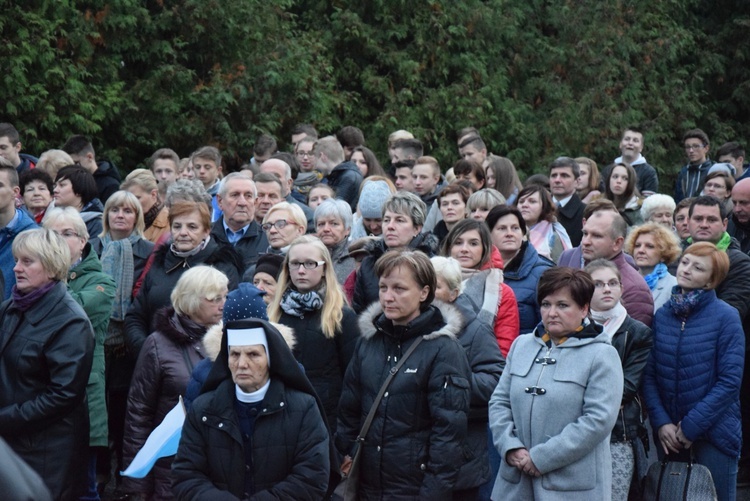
391,374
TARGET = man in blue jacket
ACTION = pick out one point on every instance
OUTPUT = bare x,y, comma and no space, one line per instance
693,174
12,222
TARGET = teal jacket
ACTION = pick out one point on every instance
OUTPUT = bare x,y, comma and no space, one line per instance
94,290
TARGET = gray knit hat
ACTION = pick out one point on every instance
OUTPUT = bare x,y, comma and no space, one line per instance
371,200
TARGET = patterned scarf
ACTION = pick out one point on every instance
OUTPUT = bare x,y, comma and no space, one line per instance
683,303
660,271
150,216
117,262
298,303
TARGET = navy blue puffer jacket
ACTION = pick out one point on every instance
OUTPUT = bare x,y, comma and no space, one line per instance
522,277
695,371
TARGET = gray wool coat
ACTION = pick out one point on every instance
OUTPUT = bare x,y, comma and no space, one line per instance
566,430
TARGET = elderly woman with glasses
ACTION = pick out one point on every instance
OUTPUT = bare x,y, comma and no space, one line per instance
333,223
94,290
283,223
553,410
165,364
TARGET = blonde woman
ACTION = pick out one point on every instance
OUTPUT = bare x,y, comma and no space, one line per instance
310,300
142,184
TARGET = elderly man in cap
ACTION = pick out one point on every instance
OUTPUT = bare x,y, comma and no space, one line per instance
257,430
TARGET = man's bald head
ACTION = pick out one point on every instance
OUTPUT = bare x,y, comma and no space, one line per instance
281,170
741,201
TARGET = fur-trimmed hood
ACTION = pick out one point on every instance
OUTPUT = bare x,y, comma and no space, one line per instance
212,339
439,319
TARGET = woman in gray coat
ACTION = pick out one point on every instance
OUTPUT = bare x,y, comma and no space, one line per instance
553,411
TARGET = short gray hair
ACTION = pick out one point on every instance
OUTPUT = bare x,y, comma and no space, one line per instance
449,270
656,201
48,247
333,207
67,215
235,175
188,190
408,204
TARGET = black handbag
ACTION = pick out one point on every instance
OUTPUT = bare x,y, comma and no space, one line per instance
348,488
679,481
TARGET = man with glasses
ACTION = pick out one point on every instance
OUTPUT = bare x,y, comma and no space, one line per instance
691,177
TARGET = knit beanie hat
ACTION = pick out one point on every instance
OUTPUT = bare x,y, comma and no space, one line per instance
246,301
269,263
371,200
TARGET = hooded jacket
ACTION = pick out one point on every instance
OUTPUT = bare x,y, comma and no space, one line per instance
91,213
522,274
345,178
567,428
94,290
690,180
417,442
166,270
291,455
161,375
27,162
694,373
107,179
366,286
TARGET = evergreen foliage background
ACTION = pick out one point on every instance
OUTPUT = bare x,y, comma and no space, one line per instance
539,79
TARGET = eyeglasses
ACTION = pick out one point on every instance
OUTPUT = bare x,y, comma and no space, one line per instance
689,147
304,154
309,265
216,300
279,225
612,284
68,234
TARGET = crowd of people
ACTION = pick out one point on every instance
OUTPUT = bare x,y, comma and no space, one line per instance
503,338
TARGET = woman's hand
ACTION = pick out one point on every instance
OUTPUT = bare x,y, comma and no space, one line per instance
668,438
521,459
346,465
681,438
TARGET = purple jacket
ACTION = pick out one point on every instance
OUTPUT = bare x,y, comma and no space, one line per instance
636,296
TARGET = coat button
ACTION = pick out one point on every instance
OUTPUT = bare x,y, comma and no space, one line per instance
221,425
378,448
385,394
281,404
73,275
204,419
422,467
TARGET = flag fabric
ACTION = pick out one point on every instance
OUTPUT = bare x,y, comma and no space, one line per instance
162,442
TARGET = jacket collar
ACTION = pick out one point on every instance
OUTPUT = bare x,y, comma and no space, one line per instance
439,319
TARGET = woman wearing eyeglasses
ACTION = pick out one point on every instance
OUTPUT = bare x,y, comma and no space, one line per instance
283,223
310,300
633,341
164,367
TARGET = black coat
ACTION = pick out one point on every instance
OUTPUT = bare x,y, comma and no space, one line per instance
162,278
161,375
325,359
366,286
290,456
46,355
633,342
252,244
417,442
478,340
571,217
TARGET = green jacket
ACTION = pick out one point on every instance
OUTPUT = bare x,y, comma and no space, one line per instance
94,290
